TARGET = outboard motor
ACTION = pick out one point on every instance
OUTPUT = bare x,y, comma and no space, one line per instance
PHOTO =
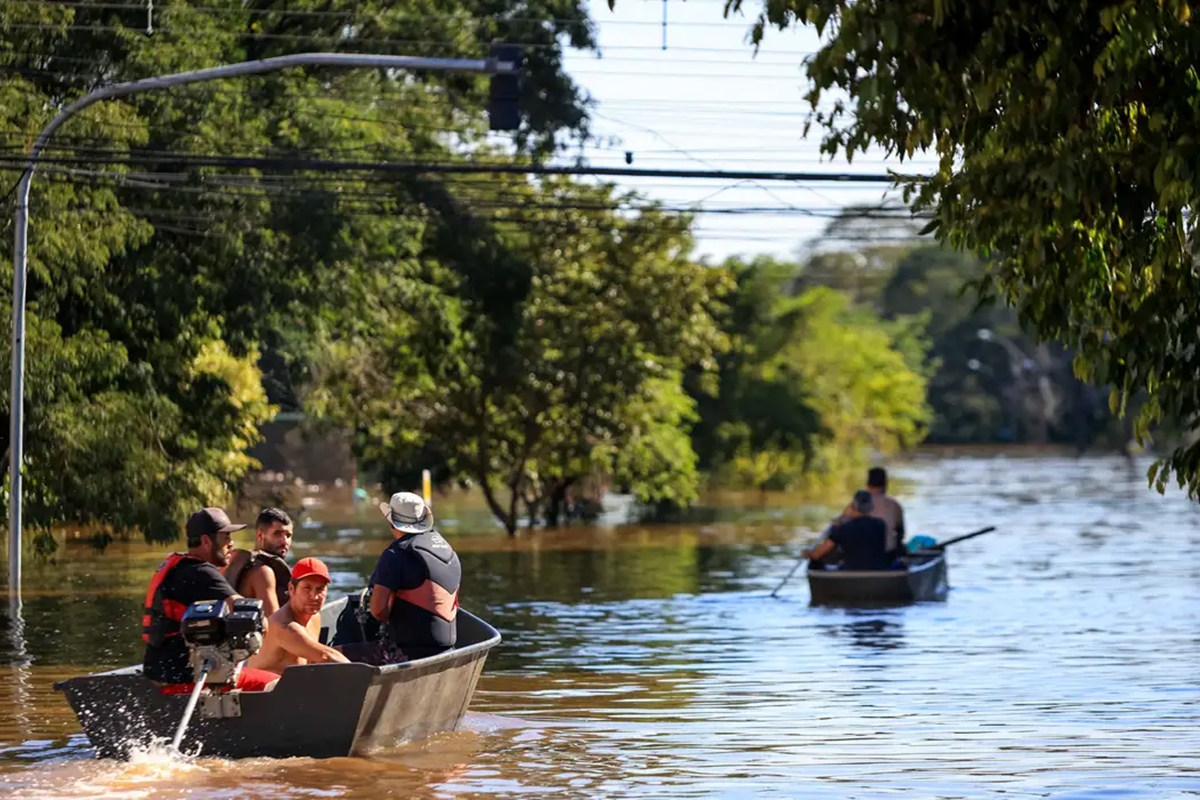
220,639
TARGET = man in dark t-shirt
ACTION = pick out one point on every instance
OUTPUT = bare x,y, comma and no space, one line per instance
861,538
183,579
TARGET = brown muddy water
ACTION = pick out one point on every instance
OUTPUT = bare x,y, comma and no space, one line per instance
644,661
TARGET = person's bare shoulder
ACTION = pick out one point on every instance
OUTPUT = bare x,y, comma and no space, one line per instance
281,618
259,575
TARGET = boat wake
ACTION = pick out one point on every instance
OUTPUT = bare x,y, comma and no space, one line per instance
152,768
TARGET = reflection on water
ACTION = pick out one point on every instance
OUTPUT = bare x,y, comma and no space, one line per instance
650,662
872,634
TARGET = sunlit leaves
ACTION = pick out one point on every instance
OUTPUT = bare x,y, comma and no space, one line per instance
154,289
811,388
559,349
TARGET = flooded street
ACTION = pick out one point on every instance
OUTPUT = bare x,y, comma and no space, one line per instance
649,661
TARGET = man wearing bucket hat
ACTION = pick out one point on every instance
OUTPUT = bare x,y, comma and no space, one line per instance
414,587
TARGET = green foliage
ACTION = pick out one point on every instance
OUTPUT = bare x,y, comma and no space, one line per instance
563,358
1065,134
971,389
156,292
1005,388
120,460
813,387
656,459
863,388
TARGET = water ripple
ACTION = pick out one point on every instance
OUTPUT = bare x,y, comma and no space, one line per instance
653,664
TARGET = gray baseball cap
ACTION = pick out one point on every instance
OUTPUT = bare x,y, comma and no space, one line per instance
863,502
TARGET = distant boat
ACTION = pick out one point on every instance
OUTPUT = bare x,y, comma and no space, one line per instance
924,580
314,711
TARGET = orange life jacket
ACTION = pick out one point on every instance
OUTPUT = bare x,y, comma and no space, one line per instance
161,615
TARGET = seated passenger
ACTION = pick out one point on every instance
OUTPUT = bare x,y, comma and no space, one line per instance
861,538
413,589
262,572
294,633
888,509
183,579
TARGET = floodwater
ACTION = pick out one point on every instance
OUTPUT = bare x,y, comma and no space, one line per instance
643,661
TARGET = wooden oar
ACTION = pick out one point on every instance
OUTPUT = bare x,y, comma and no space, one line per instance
796,566
948,542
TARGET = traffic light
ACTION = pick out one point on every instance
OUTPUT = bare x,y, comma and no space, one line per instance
504,93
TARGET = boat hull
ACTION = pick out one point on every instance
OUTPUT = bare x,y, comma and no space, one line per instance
926,579
315,710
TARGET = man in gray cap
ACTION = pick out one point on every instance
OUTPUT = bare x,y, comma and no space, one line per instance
183,579
861,538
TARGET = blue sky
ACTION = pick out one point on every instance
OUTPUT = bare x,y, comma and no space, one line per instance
708,102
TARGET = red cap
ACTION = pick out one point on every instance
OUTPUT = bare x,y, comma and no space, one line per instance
310,567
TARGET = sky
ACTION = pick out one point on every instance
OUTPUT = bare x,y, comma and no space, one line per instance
709,102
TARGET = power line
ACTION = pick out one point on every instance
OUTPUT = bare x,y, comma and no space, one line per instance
469,189
387,14
468,168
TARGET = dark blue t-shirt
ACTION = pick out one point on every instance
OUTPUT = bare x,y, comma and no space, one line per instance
863,542
424,572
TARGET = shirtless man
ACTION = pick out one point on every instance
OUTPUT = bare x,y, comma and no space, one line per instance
292,637
262,572
887,508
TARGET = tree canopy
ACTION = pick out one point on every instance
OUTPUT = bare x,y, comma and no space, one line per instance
528,336
1066,141
813,385
528,392
159,290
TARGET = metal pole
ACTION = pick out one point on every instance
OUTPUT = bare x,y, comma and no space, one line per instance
197,689
664,25
16,433
17,397
1017,359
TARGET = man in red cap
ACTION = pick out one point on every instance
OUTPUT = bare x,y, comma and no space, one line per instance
294,631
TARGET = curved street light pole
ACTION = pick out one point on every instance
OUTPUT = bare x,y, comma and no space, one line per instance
21,218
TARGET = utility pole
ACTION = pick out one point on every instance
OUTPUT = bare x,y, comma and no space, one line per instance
503,64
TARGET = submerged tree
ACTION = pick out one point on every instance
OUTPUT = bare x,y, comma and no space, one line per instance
539,353
812,385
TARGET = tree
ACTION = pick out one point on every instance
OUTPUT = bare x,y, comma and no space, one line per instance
1065,136
811,387
538,353
155,288
971,391
857,251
